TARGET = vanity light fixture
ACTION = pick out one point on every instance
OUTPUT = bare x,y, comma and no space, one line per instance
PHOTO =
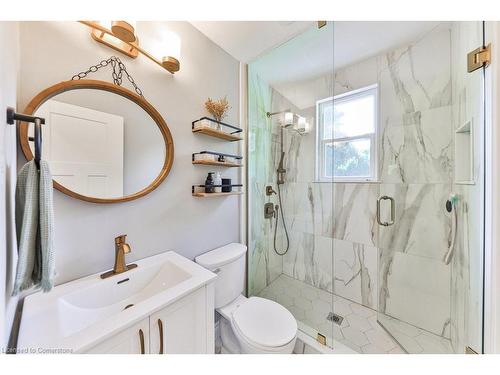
121,36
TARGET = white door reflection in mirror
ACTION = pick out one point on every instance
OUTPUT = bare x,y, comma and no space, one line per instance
84,148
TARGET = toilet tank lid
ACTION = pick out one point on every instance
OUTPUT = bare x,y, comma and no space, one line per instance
221,256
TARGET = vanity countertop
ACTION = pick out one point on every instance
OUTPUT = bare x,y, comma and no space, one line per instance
77,315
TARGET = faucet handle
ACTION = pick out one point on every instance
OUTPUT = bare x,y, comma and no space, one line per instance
120,243
126,248
120,239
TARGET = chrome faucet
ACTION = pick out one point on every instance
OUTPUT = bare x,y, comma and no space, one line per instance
121,248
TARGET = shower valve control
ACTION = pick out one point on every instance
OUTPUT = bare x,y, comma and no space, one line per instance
270,190
269,210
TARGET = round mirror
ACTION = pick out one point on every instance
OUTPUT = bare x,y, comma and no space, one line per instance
103,143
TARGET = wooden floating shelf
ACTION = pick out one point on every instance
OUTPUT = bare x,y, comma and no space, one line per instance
218,163
216,133
204,195
217,158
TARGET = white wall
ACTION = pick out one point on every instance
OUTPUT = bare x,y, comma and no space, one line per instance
169,218
8,84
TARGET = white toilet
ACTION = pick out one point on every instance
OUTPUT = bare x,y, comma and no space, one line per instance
248,325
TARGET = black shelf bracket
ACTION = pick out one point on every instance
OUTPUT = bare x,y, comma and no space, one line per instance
235,128
237,157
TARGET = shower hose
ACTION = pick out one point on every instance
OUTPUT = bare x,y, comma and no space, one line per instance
284,226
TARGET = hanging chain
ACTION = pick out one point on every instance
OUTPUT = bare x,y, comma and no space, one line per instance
118,70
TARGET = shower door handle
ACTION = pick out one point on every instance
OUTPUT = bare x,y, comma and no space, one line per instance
393,211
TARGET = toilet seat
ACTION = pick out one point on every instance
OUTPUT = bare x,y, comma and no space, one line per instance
264,324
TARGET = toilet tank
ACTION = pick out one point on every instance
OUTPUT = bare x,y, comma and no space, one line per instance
228,262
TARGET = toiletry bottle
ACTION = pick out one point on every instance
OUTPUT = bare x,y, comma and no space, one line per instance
209,183
218,181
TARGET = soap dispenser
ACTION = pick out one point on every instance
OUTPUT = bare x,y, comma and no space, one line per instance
209,183
218,181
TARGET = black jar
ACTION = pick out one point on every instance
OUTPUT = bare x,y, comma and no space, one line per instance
226,185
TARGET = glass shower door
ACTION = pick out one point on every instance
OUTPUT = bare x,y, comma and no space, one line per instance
431,166
290,246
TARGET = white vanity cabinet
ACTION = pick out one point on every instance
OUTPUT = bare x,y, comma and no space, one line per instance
133,340
186,327
183,327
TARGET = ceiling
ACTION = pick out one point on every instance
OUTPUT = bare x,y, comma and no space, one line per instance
246,40
358,40
307,54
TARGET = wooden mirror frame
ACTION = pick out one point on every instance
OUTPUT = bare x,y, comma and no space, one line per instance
61,87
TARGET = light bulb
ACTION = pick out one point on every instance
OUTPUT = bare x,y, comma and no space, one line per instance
303,126
171,45
288,118
169,51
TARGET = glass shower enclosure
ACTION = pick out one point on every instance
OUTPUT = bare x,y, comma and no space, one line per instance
365,184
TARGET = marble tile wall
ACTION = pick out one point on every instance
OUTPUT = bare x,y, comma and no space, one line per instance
415,161
416,169
307,205
263,264
412,275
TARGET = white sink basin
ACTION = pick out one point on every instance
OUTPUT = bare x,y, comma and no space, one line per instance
72,315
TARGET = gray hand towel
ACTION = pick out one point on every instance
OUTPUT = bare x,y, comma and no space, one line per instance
35,228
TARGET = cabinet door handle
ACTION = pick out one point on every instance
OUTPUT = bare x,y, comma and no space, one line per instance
160,329
141,339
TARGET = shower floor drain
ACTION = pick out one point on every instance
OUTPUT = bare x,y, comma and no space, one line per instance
332,317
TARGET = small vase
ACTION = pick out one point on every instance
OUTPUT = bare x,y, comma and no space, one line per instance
218,126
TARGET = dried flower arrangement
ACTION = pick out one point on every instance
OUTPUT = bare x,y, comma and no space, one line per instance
217,108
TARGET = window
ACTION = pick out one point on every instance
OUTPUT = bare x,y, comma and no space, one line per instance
346,127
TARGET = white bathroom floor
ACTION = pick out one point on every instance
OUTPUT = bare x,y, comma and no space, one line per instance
359,329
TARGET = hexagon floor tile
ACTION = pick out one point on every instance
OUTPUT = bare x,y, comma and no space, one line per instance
359,329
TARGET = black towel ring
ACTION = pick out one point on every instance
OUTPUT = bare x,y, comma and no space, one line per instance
12,116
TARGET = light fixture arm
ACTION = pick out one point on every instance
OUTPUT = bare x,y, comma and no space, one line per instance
169,63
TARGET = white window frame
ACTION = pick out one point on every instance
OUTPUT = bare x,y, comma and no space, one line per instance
320,142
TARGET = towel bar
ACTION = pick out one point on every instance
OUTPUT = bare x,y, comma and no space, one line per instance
12,116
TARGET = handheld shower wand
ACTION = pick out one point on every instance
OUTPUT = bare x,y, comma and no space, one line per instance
288,120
